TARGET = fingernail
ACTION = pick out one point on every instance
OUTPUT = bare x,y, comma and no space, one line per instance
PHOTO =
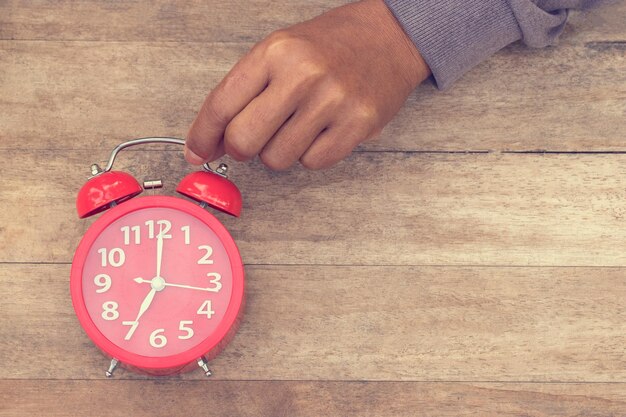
192,158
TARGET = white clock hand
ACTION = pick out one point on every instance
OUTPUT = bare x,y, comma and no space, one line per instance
143,308
159,255
146,303
167,284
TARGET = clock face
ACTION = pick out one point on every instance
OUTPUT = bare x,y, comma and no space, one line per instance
160,278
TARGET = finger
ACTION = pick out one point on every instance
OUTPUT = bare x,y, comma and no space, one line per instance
246,80
333,144
296,136
252,128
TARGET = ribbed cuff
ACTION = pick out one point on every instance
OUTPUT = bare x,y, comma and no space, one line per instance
454,35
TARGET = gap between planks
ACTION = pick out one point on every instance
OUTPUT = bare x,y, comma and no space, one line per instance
176,378
328,265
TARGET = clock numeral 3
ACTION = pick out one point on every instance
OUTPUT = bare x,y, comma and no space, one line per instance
110,310
206,309
215,281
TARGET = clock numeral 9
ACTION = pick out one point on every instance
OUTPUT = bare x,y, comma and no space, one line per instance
116,257
103,281
158,340
206,309
110,310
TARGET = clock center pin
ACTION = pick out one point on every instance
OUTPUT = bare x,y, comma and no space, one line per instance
157,283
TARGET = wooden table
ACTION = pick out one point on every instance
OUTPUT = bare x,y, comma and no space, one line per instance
472,262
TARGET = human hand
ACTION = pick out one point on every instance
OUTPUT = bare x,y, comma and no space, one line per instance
310,92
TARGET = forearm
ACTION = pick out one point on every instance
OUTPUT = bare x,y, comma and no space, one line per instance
455,35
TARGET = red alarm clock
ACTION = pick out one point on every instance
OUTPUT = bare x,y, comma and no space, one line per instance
157,282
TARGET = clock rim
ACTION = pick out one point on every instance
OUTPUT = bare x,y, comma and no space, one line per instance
209,346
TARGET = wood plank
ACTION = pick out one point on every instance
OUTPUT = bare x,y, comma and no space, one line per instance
212,20
466,324
68,95
374,209
301,399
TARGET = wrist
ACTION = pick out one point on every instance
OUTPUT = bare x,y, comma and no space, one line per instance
410,63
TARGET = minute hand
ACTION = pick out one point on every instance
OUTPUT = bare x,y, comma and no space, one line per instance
140,280
213,289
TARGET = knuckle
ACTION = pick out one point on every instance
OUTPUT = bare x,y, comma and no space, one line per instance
336,93
365,115
312,162
213,111
274,161
231,82
237,144
279,44
311,70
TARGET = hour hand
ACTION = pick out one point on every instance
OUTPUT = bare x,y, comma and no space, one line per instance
146,303
142,309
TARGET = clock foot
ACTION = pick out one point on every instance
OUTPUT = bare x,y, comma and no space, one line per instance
112,366
202,363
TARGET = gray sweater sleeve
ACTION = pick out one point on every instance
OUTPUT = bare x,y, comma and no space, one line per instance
454,35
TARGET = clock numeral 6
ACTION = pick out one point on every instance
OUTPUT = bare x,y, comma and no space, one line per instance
110,310
182,327
158,340
103,281
115,257
205,308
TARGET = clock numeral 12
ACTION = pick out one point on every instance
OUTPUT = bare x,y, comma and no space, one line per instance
164,228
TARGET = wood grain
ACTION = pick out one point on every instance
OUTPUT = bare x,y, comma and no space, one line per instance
466,324
374,209
399,283
212,20
301,399
83,95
